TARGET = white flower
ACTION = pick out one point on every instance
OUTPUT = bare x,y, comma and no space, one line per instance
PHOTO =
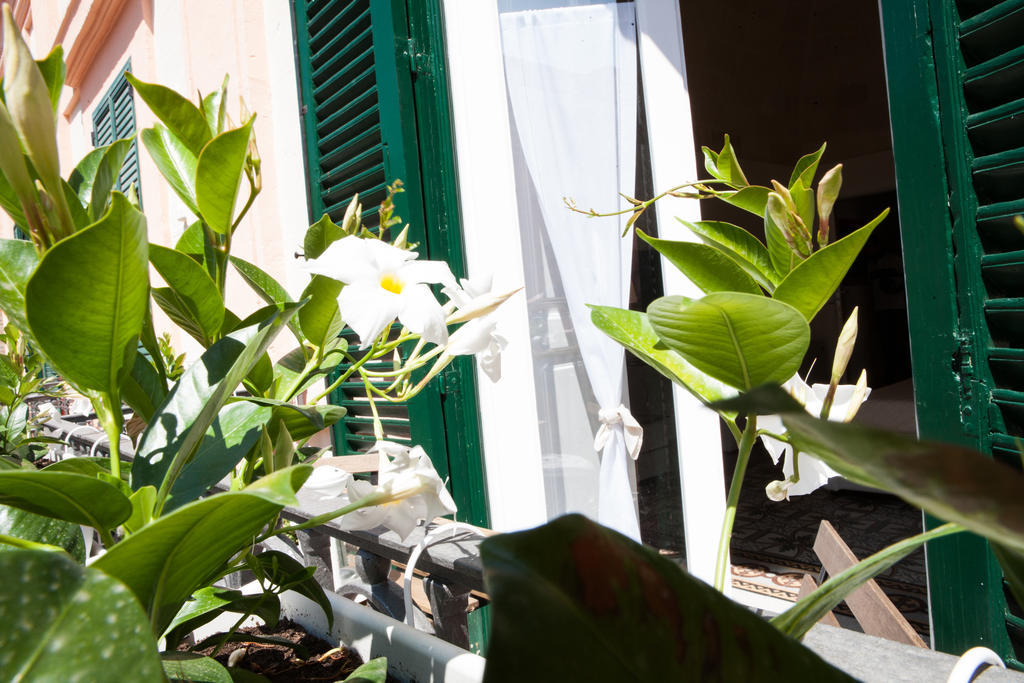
384,282
479,337
406,475
813,472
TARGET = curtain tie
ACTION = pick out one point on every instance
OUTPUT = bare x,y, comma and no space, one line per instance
619,418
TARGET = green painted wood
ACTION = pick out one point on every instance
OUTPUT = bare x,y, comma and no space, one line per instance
943,94
375,108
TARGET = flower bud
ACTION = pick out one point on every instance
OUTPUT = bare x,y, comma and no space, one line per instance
844,347
859,391
778,490
350,223
28,102
828,191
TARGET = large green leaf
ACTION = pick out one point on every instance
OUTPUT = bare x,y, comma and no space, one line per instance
166,561
321,235
53,70
319,318
746,250
65,622
39,529
268,289
635,615
633,330
177,428
196,305
215,108
176,162
72,497
87,299
189,667
181,117
742,340
233,434
374,671
18,259
812,282
219,175
209,602
949,482
751,198
806,167
707,267
96,175
286,572
142,388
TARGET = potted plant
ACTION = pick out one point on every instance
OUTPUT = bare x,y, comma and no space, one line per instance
79,293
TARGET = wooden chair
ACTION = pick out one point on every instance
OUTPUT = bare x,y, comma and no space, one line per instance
872,609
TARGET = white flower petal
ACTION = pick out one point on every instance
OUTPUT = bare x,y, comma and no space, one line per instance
433,272
422,314
327,481
471,338
368,309
386,257
347,260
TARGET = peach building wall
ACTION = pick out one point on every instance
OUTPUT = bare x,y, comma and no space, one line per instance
189,45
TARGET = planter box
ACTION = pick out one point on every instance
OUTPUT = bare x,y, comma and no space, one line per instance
413,656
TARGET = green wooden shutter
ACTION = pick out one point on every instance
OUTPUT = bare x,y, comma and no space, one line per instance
956,91
370,118
114,119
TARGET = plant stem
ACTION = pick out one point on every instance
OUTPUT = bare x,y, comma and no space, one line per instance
731,503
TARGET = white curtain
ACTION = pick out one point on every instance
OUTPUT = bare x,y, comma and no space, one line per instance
571,73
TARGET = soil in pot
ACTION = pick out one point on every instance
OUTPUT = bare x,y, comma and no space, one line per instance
280,663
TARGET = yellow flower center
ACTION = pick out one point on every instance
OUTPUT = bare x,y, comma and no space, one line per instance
391,283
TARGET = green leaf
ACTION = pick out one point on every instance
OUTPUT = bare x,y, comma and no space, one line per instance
215,108
950,482
799,618
751,198
636,615
633,330
706,267
65,622
142,501
175,161
219,175
142,388
196,305
805,205
321,235
320,319
96,175
803,172
304,423
266,287
168,560
742,340
229,438
87,299
76,498
810,285
18,259
729,166
182,118
174,433
711,161
746,250
374,671
53,70
39,529
285,571
193,242
190,667
208,603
